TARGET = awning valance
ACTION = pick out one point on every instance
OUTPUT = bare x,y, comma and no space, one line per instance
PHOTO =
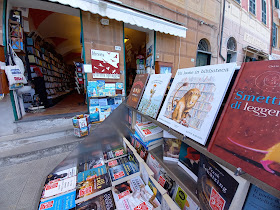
126,15
256,51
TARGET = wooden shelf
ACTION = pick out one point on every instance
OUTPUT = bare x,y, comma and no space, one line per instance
203,150
177,174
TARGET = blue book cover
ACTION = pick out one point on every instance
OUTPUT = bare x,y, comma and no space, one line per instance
102,101
119,85
258,199
123,170
94,113
92,84
62,202
92,172
110,101
92,92
93,102
118,100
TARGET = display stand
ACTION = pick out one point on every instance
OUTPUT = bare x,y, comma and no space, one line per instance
116,129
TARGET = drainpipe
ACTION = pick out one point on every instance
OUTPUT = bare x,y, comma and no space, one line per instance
222,30
271,34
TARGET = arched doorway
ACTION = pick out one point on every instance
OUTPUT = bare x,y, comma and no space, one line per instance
203,57
231,50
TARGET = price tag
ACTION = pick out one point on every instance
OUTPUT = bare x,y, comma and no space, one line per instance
85,191
119,175
113,163
161,181
46,205
142,206
123,194
119,153
147,131
216,201
51,186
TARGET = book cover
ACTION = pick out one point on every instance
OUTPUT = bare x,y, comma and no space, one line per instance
123,170
148,131
119,85
102,102
189,160
94,172
113,153
116,162
91,186
215,185
61,174
92,91
154,190
153,94
194,99
58,187
89,164
247,134
118,100
101,202
171,149
94,113
110,101
184,201
258,199
93,102
154,166
137,90
62,202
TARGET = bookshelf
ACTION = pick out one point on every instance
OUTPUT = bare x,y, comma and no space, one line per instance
50,68
203,150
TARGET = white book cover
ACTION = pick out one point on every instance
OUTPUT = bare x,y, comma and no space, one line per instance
194,99
153,94
58,187
148,130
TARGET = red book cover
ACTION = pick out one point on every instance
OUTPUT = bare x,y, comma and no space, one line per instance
137,90
247,135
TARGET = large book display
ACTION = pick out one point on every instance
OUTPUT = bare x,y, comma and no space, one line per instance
115,168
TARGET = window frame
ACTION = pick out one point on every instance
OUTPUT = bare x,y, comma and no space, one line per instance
274,35
276,4
251,8
264,14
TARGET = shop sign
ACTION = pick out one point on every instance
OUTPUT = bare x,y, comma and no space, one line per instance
105,64
255,42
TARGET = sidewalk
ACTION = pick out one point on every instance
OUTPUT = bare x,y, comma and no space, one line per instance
21,184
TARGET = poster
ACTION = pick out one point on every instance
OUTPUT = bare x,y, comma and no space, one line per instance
194,99
105,64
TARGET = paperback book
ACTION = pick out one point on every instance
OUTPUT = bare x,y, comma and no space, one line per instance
122,171
102,202
61,174
91,173
153,94
92,187
90,164
148,131
116,162
189,160
137,90
252,141
171,149
62,202
184,201
194,99
55,187
215,185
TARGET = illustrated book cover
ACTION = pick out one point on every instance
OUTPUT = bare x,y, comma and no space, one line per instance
148,131
171,149
153,94
137,90
189,160
94,172
123,170
215,185
247,134
194,100
184,201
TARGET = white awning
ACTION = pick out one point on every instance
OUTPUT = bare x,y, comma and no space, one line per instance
126,15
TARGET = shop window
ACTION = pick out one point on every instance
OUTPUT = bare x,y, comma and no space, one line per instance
231,50
252,6
238,1
203,57
277,4
274,35
264,11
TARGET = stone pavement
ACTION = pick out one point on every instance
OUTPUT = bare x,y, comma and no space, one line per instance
21,184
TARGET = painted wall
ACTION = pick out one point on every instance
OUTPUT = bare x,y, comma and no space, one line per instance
245,28
99,37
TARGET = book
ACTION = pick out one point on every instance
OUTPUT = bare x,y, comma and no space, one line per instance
194,100
153,94
94,113
171,149
93,102
92,91
110,154
155,190
126,188
116,162
154,166
148,145
137,90
148,131
189,160
62,202
61,174
94,162
104,112
119,85
252,141
122,171
260,200
102,102
215,184
102,202
57,187
118,100
92,187
94,172
184,201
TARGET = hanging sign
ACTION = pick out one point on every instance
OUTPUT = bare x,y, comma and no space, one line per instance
105,64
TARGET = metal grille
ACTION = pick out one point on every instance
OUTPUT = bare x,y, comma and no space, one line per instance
203,46
231,44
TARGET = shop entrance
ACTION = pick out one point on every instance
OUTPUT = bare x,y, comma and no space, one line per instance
49,47
139,52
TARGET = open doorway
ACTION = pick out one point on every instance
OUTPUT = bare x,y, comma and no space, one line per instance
49,47
139,53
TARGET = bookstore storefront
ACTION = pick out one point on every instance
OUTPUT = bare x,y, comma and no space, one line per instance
54,39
